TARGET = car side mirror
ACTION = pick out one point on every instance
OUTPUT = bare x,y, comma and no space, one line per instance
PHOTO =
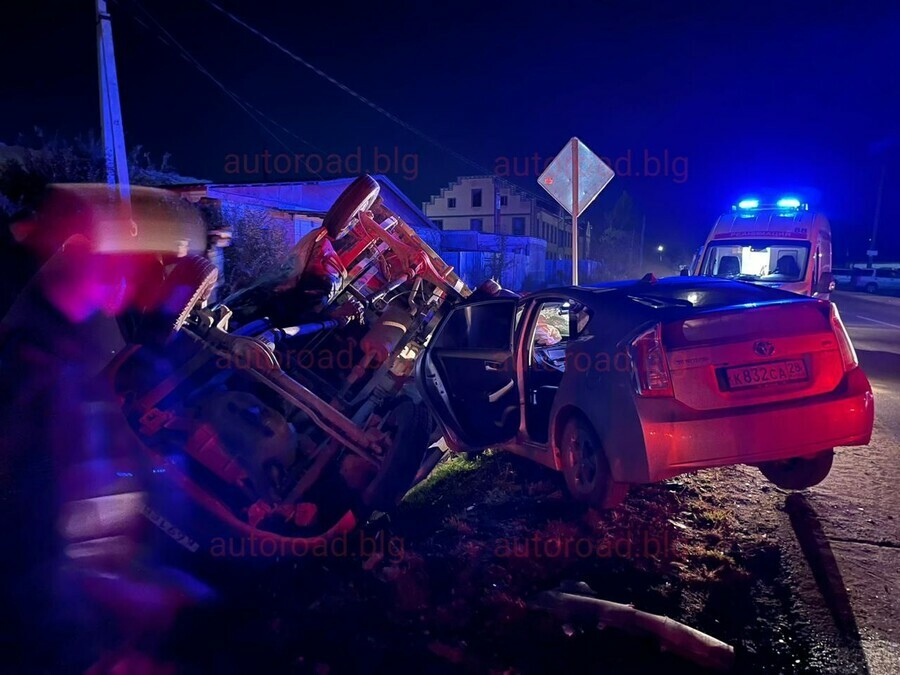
684,272
826,283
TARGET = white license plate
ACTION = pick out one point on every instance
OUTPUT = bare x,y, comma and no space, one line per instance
762,374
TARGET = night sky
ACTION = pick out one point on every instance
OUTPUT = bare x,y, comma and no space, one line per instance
726,98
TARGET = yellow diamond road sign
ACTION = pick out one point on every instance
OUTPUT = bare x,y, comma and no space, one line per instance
575,163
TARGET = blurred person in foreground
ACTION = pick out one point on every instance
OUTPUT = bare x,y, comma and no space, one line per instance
79,591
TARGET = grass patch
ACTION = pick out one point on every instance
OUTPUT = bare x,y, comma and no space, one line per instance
451,479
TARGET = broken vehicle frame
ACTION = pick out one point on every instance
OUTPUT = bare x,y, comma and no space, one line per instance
403,286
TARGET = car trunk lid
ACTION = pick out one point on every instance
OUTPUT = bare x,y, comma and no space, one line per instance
743,357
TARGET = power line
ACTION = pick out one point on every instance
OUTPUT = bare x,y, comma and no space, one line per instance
186,55
254,113
343,87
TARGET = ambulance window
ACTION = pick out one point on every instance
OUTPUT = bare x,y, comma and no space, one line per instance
757,260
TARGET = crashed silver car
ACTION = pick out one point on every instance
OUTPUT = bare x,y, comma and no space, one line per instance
637,381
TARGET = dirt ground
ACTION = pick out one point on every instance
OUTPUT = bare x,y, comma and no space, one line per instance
469,549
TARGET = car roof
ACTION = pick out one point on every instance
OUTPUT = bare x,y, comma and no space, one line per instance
769,223
727,292
663,284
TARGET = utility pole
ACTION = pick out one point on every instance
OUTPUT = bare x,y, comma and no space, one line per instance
496,185
114,155
872,242
500,259
631,249
641,250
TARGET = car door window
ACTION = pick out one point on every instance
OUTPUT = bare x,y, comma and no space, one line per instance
559,321
483,326
552,325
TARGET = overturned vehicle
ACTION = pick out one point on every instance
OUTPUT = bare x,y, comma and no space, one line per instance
288,412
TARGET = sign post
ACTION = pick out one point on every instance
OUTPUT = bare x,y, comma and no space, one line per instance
574,179
574,143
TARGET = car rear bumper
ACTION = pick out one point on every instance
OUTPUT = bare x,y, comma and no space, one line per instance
680,439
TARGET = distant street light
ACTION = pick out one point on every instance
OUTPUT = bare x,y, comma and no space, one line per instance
660,250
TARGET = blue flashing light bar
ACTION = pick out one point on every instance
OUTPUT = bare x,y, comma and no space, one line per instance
788,203
748,204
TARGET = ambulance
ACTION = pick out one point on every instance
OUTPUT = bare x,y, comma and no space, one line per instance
782,245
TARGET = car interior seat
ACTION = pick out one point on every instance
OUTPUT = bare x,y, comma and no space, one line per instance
787,265
729,266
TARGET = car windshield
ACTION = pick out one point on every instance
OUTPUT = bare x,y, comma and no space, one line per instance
776,261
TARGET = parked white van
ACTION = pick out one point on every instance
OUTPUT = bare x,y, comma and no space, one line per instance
782,245
881,279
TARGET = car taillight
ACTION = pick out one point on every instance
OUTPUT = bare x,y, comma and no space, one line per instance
848,353
648,362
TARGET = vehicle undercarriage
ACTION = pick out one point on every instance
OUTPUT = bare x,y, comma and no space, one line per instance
292,433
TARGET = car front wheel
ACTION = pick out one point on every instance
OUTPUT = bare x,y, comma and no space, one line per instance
586,468
871,288
799,472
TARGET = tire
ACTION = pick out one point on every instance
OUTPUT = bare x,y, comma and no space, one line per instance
871,288
359,196
410,426
586,468
800,472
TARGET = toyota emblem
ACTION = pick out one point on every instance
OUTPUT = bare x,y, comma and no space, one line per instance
763,348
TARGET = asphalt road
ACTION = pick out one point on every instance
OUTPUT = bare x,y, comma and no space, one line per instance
861,310
858,505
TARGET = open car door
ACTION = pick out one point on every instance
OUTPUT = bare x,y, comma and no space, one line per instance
468,374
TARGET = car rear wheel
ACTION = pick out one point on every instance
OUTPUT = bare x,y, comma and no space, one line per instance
871,288
586,468
799,472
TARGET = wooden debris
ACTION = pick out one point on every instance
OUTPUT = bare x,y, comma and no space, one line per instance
578,603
